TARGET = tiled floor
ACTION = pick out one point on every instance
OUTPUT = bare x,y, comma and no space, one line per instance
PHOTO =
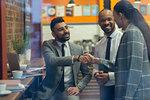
91,92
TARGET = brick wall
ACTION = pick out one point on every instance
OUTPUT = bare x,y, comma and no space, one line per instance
14,21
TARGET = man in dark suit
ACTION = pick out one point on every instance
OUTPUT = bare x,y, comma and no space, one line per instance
62,66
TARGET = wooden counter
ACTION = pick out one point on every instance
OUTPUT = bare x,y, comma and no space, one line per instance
33,82
17,95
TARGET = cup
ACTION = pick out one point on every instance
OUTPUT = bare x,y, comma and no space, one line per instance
17,74
2,87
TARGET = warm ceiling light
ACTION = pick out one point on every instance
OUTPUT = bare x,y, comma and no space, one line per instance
71,3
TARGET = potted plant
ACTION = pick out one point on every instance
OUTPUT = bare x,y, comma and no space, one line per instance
21,46
18,46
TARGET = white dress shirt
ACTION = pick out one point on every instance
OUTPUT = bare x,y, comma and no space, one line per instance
100,51
67,69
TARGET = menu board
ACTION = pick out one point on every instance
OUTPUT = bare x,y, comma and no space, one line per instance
143,9
136,6
148,9
75,14
86,10
95,10
78,10
51,10
60,10
69,11
44,11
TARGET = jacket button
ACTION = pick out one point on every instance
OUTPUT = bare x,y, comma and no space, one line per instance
61,69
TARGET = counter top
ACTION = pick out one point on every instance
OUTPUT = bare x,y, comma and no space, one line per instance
35,62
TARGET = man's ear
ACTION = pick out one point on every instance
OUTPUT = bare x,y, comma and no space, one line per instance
120,15
53,34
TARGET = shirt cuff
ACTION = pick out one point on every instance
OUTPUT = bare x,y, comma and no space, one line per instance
111,79
111,76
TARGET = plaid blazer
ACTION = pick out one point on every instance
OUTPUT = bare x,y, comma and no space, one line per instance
132,69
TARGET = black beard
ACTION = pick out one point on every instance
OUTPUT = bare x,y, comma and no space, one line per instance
63,39
111,30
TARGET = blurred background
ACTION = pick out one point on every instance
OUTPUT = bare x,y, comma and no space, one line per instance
25,24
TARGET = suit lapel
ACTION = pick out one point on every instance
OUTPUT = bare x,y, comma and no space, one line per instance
59,54
72,50
58,49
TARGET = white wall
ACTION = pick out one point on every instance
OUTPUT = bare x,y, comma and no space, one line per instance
78,31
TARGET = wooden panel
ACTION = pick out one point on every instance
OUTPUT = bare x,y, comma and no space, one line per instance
3,44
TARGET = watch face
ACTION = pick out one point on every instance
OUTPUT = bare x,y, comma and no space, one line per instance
51,11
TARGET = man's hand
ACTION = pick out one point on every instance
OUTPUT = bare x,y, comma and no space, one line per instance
85,60
101,77
88,59
73,91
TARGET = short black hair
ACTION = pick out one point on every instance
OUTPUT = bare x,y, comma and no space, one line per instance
55,21
104,10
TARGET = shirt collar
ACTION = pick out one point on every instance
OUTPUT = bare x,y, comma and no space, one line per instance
66,43
113,34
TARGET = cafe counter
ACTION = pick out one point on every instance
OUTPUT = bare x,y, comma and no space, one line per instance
31,83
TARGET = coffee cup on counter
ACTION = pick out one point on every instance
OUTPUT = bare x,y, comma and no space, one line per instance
17,74
2,87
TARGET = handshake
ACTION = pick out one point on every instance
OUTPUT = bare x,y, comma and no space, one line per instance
87,59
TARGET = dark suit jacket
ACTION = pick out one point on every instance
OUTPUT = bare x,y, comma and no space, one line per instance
54,62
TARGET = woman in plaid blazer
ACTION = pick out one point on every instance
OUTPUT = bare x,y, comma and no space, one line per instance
132,68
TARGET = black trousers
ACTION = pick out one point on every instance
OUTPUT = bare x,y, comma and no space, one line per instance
107,92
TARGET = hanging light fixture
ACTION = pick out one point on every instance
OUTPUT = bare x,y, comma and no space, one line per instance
71,3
